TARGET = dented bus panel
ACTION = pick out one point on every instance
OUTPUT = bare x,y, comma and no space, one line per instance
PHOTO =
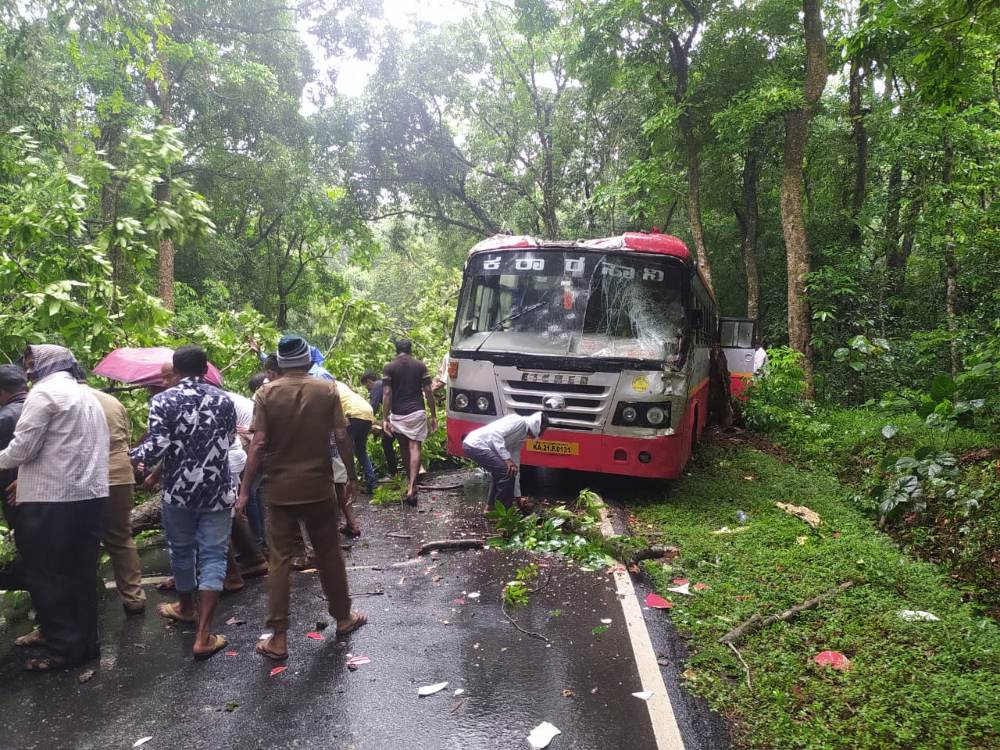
609,337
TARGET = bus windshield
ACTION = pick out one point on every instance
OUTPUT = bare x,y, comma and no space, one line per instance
572,303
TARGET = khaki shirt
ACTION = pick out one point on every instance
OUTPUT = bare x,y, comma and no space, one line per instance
297,413
119,465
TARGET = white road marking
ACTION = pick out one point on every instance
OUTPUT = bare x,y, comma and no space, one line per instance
661,712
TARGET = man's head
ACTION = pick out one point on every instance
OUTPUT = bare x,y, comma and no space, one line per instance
190,361
404,346
257,380
13,381
538,423
168,375
271,369
294,353
369,379
42,360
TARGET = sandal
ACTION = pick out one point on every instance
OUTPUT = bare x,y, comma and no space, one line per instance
263,650
172,611
48,664
167,585
411,500
219,642
34,638
358,619
256,571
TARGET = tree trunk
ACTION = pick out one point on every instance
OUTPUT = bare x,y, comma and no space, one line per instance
793,223
750,225
694,198
111,140
159,92
950,262
549,218
860,135
282,320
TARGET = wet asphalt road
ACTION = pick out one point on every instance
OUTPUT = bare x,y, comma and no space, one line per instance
424,628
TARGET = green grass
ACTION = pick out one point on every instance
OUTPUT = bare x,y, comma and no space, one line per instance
390,492
912,684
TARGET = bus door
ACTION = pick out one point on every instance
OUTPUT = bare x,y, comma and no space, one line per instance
738,337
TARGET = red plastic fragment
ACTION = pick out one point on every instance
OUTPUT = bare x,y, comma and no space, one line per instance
278,670
230,653
680,581
833,659
314,636
656,601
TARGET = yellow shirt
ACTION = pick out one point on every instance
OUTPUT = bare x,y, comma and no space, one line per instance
355,407
119,465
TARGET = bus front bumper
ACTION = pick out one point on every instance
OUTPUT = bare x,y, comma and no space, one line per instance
660,457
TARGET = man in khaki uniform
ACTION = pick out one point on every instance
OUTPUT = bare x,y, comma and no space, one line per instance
294,417
116,521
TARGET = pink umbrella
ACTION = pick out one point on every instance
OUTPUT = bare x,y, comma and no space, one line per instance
142,366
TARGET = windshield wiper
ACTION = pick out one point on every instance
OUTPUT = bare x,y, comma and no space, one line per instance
514,316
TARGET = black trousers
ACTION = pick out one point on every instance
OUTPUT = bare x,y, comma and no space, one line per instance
59,545
389,449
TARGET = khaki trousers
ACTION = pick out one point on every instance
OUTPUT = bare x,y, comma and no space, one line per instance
321,522
116,535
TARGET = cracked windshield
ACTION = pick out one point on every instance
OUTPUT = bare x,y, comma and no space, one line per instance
572,303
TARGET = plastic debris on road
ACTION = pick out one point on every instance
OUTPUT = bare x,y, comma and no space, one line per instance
916,615
803,513
833,659
230,653
655,601
606,621
357,661
683,588
473,595
431,689
141,742
645,695
278,670
459,692
313,635
234,621
542,735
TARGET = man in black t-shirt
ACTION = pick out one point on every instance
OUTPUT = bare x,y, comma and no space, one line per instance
407,388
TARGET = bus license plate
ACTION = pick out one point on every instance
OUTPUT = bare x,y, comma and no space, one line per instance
553,448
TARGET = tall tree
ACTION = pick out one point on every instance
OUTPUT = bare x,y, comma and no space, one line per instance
793,222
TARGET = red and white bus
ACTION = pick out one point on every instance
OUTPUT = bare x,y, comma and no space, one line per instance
610,337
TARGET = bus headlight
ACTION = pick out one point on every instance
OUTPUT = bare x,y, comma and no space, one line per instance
629,414
482,403
655,415
461,401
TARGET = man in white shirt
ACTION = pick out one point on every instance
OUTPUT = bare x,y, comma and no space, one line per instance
61,446
242,538
496,447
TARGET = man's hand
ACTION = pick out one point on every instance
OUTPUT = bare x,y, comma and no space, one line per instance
241,500
511,468
350,491
387,428
254,345
11,493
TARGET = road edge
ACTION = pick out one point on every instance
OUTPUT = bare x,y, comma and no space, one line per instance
666,731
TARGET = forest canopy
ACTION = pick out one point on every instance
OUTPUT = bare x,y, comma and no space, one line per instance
194,170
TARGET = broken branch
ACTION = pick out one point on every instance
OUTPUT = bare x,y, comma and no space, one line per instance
756,622
452,544
656,552
513,622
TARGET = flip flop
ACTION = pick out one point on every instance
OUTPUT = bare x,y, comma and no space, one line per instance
256,571
34,638
48,664
357,621
263,650
172,611
219,642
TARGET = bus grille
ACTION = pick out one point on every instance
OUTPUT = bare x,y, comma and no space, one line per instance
585,404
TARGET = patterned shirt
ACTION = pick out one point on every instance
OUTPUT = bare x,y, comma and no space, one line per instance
60,443
191,427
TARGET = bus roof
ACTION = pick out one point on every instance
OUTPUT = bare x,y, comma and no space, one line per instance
640,242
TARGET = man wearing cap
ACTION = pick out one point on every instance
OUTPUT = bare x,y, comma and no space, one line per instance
294,418
60,445
496,447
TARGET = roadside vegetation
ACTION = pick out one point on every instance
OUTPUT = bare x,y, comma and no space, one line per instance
927,684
